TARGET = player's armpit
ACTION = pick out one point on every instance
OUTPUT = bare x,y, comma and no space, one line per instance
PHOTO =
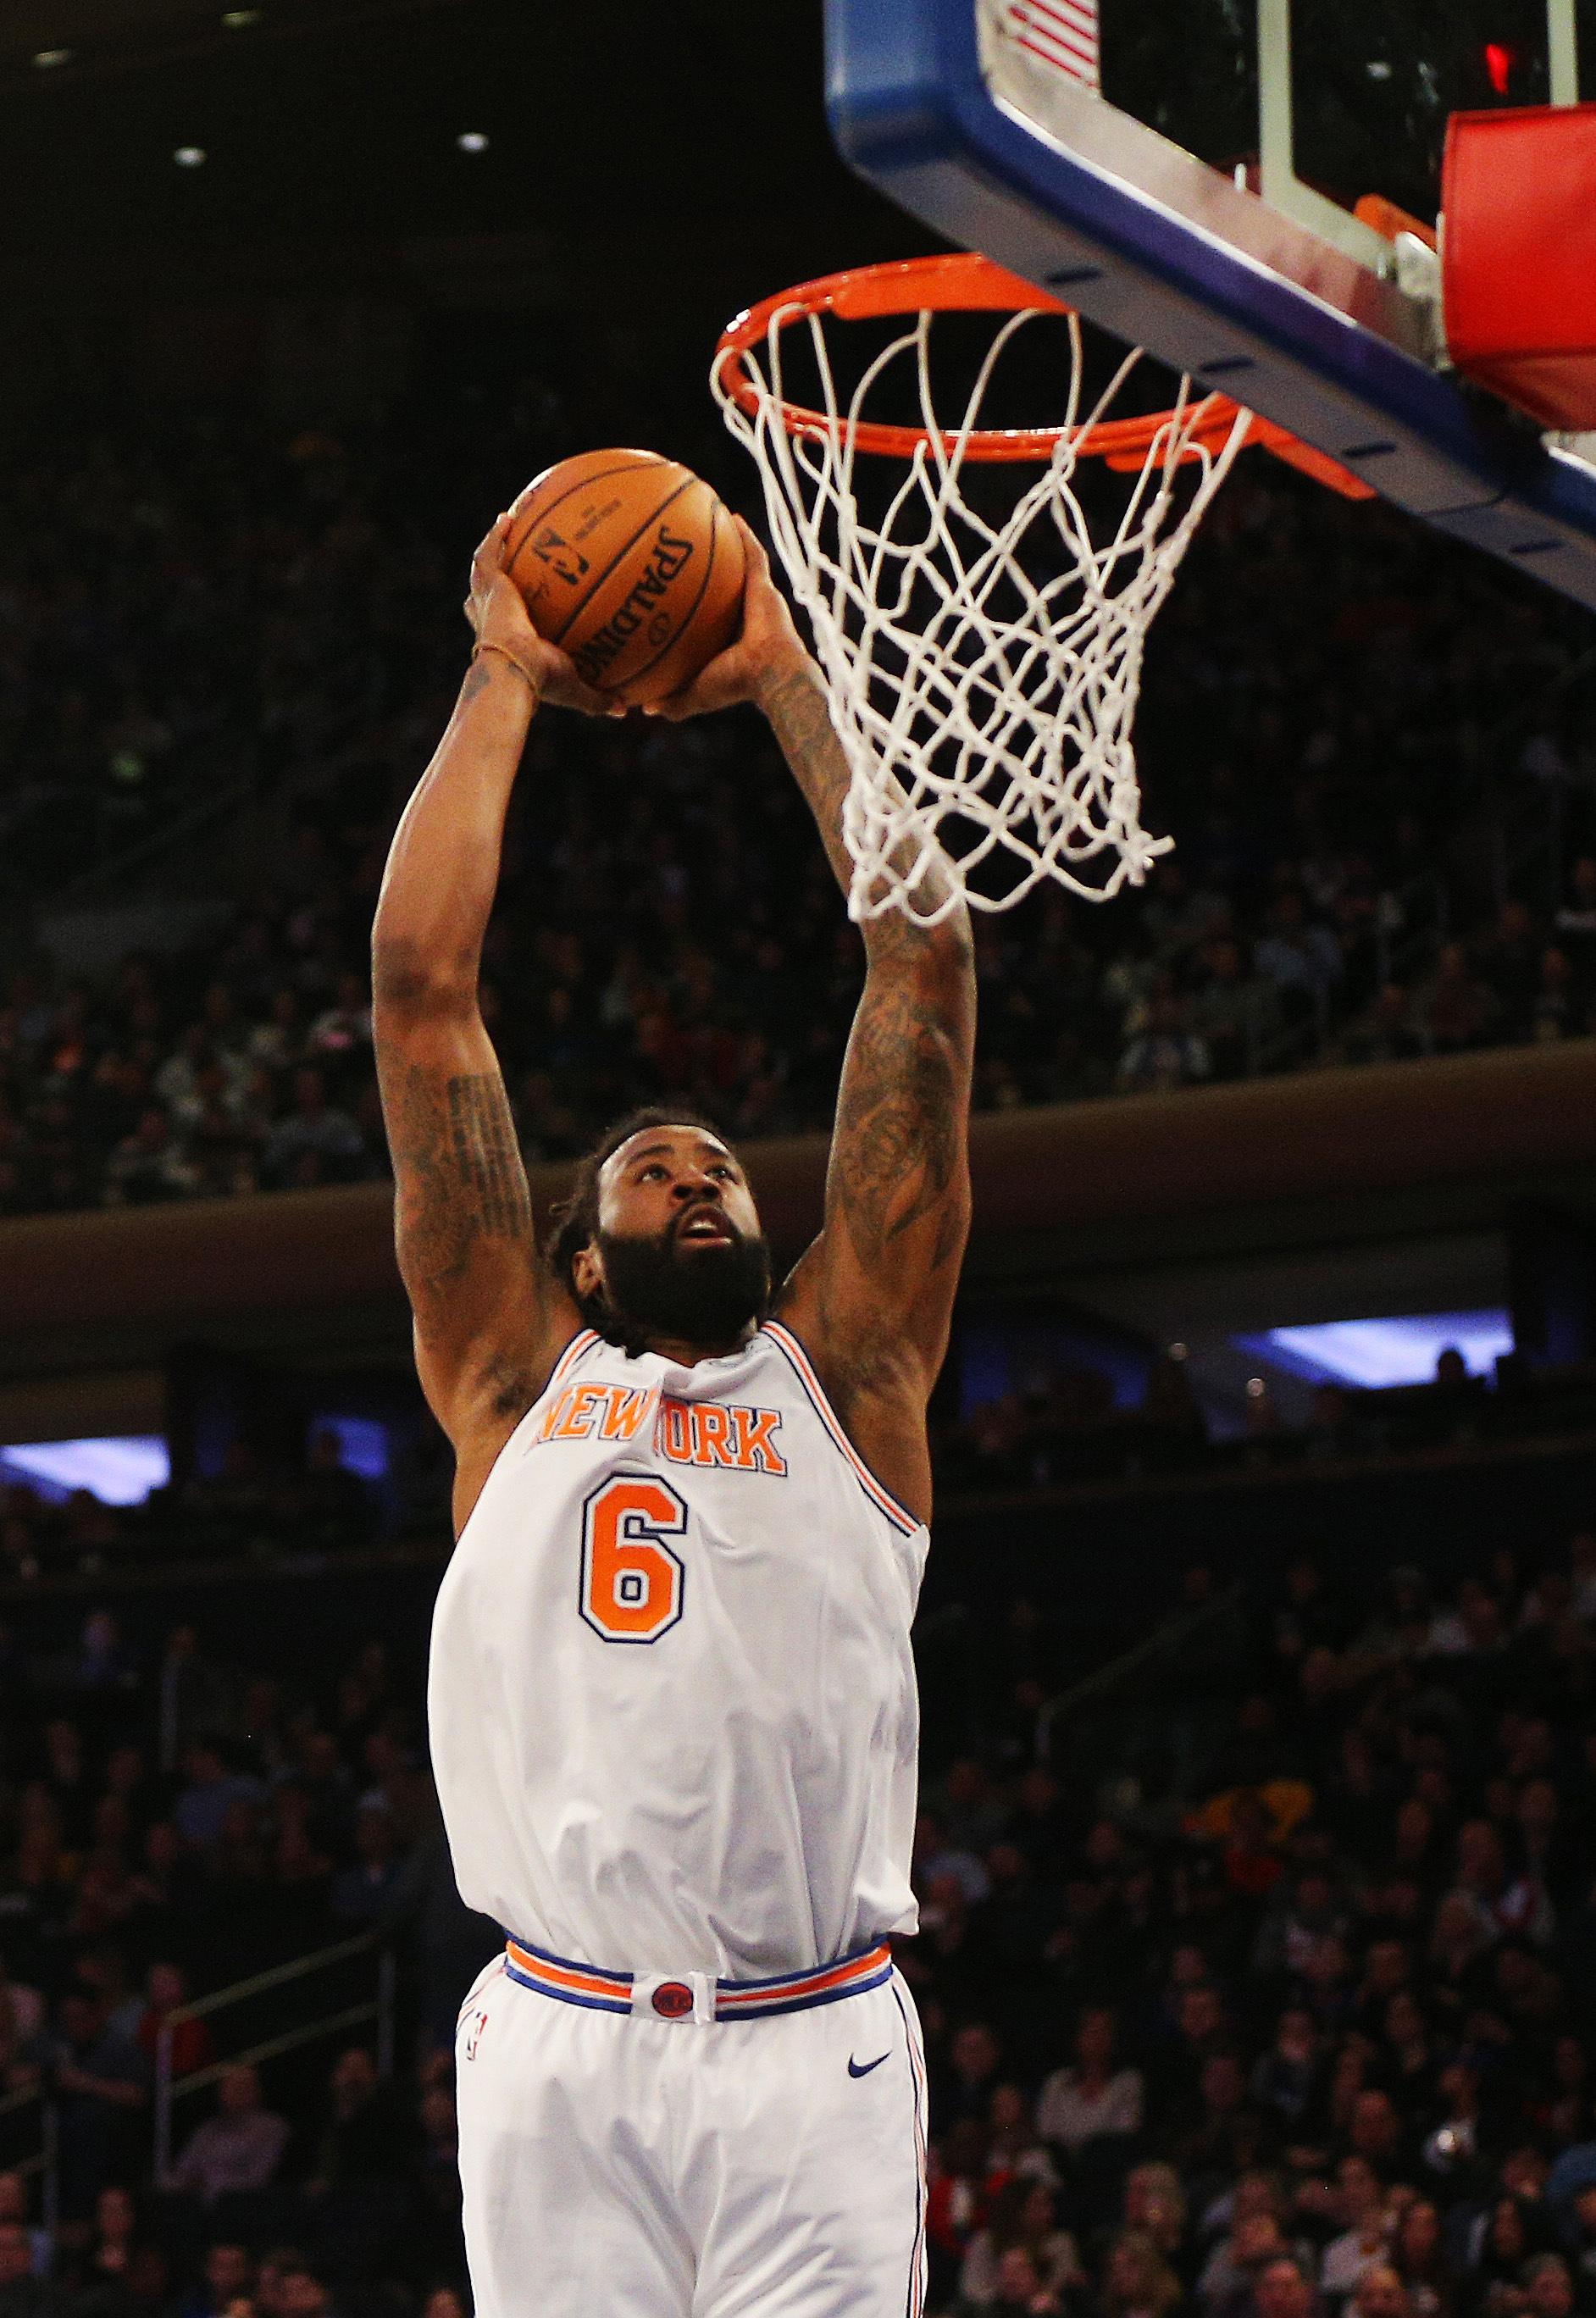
485,1308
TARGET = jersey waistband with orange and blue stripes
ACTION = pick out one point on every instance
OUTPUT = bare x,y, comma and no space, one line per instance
691,1994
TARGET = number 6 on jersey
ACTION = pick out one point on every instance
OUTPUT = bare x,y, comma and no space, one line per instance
632,1580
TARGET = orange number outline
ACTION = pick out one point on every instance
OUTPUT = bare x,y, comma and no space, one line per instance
625,1525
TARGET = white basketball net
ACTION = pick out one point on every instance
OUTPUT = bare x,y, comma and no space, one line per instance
985,712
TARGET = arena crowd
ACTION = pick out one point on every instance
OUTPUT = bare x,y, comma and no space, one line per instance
1336,703
1293,2020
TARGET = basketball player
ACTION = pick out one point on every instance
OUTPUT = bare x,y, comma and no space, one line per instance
672,1702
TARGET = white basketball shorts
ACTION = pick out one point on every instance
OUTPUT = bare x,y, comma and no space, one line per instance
689,2148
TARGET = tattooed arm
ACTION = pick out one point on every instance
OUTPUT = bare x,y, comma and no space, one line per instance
873,1298
490,1317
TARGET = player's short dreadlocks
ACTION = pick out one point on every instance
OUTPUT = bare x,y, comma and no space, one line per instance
575,1216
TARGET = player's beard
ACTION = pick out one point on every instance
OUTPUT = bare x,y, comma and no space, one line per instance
655,1287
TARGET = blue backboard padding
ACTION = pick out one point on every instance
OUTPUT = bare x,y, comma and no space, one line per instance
911,111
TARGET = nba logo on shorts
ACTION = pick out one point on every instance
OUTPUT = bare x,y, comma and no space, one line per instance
478,2022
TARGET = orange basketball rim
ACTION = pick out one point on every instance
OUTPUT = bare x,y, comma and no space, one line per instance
967,283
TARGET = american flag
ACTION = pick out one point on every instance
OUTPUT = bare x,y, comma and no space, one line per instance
1063,34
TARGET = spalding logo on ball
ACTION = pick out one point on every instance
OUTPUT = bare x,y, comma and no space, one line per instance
630,564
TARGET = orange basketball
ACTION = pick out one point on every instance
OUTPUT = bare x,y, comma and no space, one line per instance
632,565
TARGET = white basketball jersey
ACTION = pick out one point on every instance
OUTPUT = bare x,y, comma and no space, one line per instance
672,1701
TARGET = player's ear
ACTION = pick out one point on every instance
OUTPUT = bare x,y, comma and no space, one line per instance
587,1271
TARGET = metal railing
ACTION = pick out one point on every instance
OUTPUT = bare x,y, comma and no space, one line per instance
1092,1718
379,2008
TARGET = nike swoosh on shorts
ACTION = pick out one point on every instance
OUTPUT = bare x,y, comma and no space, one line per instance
854,2069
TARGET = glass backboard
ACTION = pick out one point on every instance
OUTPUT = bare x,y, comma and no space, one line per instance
1187,179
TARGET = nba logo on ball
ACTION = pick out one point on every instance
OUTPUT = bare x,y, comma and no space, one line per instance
630,564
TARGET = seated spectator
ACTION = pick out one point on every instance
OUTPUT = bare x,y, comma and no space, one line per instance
1300,956
1282,2291
1509,961
238,2149
210,1793
1557,1007
115,2283
166,1992
1094,2098
1360,2244
277,1043
1549,2287
343,1028
1460,1942
1506,1906
150,1164
300,2292
1386,1032
365,2137
1234,1013
1575,921
1015,2142
1287,2079
1155,2205
963,2194
1137,2281
1379,2293
226,2276
313,1130
1579,2237
1018,2291
102,2083
975,2058
1374,2131
1456,1010
22,2294
15,2211
336,1502
1226,2134
1499,2243
1165,1054
1418,2255
1022,2218
936,1857
274,2268
1227,2285
23,2058
23,2006
1411,2045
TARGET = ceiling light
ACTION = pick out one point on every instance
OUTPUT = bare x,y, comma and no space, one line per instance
189,156
239,20
46,58
471,140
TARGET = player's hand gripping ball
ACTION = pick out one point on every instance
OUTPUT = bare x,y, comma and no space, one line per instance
766,653
499,620
631,566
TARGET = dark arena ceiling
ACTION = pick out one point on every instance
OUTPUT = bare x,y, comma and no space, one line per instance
110,35
316,124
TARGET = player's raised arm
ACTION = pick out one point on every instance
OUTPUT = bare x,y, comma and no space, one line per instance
873,1298
489,1318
